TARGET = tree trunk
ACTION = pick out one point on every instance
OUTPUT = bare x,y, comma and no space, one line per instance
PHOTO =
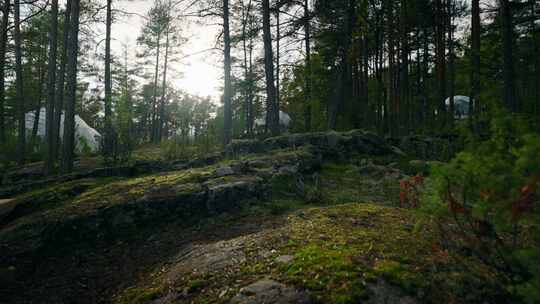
429,109
418,110
474,104
451,62
109,133
368,115
271,106
536,76
440,64
164,87
3,45
251,112
41,82
21,142
227,94
247,72
71,96
404,77
392,121
278,38
153,134
343,71
51,85
508,56
381,108
307,42
60,85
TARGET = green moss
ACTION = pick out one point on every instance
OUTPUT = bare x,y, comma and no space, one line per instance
400,274
196,285
340,183
55,197
129,189
284,186
330,273
139,296
337,251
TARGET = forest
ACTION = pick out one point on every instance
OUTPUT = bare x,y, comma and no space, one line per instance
269,151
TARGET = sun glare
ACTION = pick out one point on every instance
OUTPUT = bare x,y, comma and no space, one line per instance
199,78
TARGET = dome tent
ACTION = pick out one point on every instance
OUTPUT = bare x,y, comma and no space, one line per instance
86,137
461,106
284,121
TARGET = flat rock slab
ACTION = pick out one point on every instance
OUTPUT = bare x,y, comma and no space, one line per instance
270,292
284,259
209,258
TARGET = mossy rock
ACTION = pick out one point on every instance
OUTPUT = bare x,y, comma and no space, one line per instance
139,296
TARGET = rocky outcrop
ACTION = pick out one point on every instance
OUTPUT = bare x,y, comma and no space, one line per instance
429,147
224,194
122,207
267,291
331,144
28,179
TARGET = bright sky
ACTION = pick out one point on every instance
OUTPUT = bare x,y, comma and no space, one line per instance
199,71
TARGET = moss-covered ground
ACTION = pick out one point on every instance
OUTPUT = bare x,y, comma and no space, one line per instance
341,247
343,231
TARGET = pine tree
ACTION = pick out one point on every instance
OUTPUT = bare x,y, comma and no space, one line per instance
71,96
51,86
21,142
3,46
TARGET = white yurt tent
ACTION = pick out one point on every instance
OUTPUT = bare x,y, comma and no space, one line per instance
461,106
284,121
85,136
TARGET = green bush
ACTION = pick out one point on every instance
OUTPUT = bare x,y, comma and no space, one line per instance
485,203
176,149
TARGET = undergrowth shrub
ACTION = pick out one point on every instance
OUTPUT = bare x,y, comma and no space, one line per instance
175,149
410,190
485,203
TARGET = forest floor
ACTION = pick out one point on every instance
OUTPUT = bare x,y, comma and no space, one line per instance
284,226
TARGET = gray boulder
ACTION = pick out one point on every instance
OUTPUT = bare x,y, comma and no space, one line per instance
267,291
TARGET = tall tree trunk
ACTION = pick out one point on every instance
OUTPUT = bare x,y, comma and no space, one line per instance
418,111
164,87
404,77
507,28
271,106
41,82
278,38
428,106
343,70
307,43
381,104
247,71
109,133
51,85
474,104
536,73
392,121
71,96
227,94
153,134
440,64
337,95
58,108
3,45
251,111
21,142
451,62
